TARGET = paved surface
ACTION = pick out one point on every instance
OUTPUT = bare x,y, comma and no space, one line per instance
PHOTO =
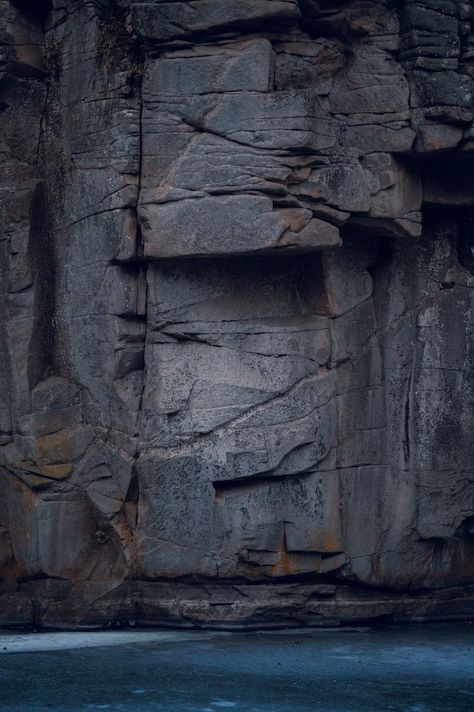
417,669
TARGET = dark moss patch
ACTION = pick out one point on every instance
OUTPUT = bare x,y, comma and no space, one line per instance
117,49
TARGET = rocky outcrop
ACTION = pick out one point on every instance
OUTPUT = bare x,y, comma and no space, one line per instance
236,317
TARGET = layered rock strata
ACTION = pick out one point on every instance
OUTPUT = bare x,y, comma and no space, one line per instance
236,343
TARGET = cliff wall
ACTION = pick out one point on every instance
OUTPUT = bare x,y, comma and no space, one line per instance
237,251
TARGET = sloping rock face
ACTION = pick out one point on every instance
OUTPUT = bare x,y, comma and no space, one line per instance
236,315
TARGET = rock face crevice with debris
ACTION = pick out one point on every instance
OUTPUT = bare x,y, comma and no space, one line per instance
236,258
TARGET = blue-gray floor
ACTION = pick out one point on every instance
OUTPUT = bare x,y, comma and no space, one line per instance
414,669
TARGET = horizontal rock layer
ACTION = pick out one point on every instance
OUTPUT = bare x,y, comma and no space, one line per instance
242,606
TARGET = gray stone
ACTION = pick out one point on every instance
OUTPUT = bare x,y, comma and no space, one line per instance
236,67
164,21
219,226
236,272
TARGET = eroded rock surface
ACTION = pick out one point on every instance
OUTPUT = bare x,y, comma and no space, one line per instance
236,318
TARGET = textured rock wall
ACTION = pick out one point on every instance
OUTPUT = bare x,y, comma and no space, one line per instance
236,314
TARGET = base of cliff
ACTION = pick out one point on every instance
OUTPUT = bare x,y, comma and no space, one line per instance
56,603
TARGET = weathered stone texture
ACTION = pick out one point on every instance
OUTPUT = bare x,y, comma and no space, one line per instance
236,258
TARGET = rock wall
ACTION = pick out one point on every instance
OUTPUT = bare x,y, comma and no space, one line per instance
236,314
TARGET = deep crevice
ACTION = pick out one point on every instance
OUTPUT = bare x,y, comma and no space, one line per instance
42,261
35,10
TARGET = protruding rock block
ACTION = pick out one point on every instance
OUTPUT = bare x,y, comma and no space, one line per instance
167,21
239,224
235,67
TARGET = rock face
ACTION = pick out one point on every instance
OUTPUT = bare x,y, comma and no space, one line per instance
236,314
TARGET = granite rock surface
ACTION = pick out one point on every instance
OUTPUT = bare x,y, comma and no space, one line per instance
236,346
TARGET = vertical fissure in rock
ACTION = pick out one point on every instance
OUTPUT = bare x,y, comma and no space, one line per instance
139,235
41,361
